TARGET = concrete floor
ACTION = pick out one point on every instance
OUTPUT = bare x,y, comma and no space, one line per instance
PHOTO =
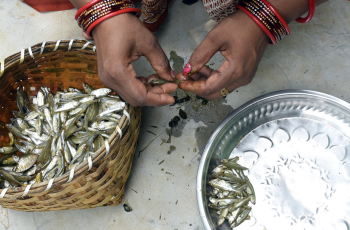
163,196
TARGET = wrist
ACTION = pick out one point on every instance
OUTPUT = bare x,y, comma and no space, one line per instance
97,11
120,22
250,28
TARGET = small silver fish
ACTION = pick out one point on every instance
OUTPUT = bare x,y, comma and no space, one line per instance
72,150
64,117
34,135
31,171
79,109
52,164
222,216
116,108
26,162
51,174
23,124
40,98
17,132
87,99
67,106
219,169
37,151
48,117
221,202
100,92
7,150
241,218
31,115
223,185
72,89
87,88
23,149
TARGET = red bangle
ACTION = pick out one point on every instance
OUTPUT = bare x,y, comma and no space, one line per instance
96,11
259,23
95,23
312,7
284,23
257,11
88,5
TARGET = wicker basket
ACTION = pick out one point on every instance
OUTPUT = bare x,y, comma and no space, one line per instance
99,182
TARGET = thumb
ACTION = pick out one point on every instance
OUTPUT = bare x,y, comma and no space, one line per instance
201,56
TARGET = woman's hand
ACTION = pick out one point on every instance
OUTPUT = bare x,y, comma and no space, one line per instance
241,42
121,40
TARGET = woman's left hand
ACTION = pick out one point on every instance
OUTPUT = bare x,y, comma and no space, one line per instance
241,42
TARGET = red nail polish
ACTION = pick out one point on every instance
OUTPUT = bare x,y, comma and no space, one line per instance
187,69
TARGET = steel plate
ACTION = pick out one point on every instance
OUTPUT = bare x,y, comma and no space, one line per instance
296,144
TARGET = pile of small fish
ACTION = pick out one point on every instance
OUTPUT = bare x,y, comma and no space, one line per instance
55,133
232,192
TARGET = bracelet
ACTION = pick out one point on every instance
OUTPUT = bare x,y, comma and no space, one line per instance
276,14
86,6
96,11
312,7
259,23
266,17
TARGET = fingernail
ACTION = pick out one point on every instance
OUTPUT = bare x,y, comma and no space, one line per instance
187,69
172,74
182,78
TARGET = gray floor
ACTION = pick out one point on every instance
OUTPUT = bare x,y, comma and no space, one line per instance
315,57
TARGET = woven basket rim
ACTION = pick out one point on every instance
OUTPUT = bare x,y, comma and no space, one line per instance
34,52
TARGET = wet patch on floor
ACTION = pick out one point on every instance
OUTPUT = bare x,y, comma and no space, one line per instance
211,113
177,62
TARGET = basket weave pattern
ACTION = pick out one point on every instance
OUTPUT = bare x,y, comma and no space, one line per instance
59,65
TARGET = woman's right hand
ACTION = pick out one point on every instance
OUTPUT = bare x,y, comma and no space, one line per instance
121,40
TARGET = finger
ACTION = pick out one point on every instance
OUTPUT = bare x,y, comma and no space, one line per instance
211,84
152,77
236,84
195,77
87,37
165,88
135,92
159,61
181,77
154,99
146,97
149,84
206,71
143,80
202,54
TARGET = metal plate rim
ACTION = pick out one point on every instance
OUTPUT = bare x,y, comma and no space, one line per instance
237,111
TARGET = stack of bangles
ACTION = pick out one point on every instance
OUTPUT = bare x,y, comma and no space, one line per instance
269,20
96,11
